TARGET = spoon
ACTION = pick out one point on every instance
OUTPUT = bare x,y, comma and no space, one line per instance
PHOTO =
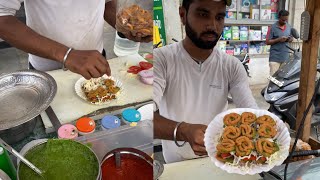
18,155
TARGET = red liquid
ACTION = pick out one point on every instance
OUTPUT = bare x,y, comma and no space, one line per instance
132,168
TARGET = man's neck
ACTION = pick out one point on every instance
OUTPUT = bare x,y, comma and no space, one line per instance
281,25
196,53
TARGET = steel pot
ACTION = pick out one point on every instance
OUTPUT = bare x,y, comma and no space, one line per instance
28,147
124,153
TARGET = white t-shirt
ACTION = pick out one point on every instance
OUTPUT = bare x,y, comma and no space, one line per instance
195,93
74,23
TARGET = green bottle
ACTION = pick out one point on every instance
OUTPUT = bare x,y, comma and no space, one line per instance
6,164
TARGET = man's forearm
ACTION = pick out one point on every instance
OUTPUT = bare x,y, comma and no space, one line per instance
164,128
110,12
272,41
22,37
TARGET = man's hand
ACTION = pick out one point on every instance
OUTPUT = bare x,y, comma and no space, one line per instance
90,64
194,134
283,39
138,38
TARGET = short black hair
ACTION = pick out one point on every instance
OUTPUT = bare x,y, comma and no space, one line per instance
186,4
283,13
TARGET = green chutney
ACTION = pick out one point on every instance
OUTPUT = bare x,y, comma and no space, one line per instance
61,159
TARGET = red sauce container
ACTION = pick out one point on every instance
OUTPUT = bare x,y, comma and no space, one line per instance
133,164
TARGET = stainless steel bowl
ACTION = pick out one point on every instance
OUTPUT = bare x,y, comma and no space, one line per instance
23,96
132,151
28,147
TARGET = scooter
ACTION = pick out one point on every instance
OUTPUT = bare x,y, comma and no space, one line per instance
244,60
283,88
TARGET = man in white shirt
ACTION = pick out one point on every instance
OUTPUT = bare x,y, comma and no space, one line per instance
192,81
62,33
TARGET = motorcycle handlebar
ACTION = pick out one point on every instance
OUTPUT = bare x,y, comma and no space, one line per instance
306,153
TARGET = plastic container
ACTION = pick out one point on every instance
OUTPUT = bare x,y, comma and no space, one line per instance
6,164
139,137
110,122
124,46
67,131
131,115
146,76
85,126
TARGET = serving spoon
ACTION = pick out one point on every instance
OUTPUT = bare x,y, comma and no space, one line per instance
18,155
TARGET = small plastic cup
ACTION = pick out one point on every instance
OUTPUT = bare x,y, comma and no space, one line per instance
110,122
131,115
85,125
67,131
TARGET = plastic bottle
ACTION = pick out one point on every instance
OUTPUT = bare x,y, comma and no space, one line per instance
124,46
6,164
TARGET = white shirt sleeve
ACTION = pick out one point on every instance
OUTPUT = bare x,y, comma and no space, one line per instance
9,7
160,73
239,87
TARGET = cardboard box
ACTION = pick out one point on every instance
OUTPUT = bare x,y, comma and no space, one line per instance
254,34
233,6
244,32
230,50
222,45
265,14
254,11
235,33
227,33
231,15
264,32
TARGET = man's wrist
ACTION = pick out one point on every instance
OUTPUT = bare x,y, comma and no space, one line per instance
182,131
59,54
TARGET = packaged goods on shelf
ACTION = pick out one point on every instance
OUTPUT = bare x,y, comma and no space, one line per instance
222,45
264,32
227,33
235,33
230,50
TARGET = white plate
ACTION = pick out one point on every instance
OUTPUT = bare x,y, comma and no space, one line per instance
214,132
146,112
81,94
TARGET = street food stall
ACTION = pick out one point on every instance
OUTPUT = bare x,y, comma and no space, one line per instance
111,127
67,127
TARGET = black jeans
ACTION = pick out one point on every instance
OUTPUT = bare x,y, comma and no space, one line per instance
103,54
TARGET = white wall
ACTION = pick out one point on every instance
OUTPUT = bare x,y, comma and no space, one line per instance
172,20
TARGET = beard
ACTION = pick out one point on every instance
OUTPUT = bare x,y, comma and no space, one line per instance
197,39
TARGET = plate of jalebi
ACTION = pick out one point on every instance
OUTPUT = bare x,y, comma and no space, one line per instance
247,141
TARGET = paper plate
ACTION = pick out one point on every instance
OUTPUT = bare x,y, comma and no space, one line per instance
146,112
81,94
214,132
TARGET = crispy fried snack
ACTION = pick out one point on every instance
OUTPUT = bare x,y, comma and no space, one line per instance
244,146
94,95
226,146
231,132
267,131
135,20
266,147
248,118
248,131
109,82
231,119
266,119
113,89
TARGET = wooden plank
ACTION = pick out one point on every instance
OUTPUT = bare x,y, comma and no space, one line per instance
308,67
314,143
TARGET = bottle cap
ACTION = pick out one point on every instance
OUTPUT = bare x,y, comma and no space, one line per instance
131,115
86,125
110,122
